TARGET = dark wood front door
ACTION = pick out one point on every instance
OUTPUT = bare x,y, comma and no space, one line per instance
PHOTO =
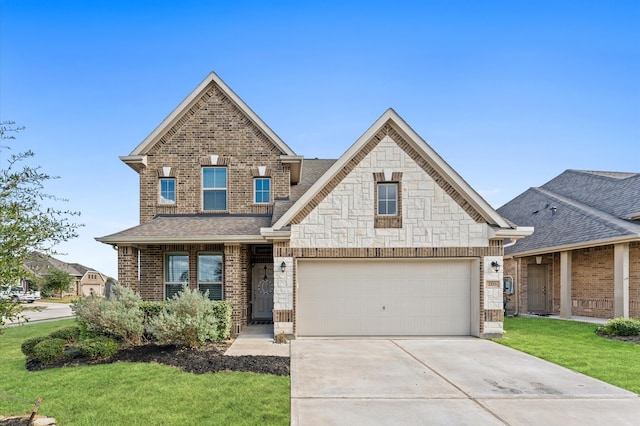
537,290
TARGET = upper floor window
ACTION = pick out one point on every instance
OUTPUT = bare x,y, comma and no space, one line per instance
167,191
387,199
262,190
214,188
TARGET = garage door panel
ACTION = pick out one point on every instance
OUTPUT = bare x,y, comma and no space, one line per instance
383,297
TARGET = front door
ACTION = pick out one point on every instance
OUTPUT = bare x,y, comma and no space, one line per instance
537,291
262,297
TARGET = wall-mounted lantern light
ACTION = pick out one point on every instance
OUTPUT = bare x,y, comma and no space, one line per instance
283,266
496,266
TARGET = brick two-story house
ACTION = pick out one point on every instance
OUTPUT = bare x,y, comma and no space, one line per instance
386,240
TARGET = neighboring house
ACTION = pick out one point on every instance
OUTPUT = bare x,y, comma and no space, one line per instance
84,278
584,257
386,240
92,281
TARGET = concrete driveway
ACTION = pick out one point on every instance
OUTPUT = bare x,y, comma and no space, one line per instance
444,381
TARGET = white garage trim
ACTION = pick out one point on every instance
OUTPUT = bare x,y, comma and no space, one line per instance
387,297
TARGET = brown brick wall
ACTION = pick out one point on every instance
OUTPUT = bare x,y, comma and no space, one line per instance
128,266
592,281
213,126
236,265
592,286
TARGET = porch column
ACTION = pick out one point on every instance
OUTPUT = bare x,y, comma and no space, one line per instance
565,284
235,284
128,267
621,280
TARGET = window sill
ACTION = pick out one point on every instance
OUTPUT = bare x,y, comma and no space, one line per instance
394,222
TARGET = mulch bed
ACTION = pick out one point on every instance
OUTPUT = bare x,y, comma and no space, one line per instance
632,339
207,359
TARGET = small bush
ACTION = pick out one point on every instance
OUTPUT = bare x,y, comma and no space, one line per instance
188,320
222,312
28,345
49,350
152,308
98,347
69,334
119,316
621,327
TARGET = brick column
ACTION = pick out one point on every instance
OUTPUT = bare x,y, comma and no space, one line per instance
128,266
235,284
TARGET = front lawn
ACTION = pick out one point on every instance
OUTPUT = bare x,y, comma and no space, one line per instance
135,393
575,345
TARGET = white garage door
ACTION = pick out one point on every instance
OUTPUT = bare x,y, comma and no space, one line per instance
414,297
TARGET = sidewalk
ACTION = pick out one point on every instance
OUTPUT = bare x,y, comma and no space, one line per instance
257,340
44,311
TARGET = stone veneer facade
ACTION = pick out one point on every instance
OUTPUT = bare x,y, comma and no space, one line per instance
434,224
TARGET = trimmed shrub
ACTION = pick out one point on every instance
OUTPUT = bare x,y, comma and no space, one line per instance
621,327
152,308
98,347
119,316
28,345
49,350
187,320
222,312
69,334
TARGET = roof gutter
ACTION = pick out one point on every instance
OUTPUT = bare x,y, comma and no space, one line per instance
577,246
183,240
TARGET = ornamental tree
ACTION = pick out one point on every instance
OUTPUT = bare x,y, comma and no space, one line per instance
29,219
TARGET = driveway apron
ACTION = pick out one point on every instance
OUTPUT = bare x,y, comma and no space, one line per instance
444,381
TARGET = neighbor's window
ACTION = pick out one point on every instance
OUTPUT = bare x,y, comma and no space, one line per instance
167,191
210,274
176,273
262,190
214,188
387,199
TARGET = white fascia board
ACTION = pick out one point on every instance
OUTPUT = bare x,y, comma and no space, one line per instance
275,235
175,115
183,240
578,246
514,234
136,162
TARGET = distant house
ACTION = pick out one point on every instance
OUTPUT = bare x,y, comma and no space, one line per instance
84,278
386,240
584,257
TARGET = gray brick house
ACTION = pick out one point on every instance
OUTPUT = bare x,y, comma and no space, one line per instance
386,240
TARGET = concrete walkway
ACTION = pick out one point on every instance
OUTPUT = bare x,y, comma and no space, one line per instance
444,381
257,340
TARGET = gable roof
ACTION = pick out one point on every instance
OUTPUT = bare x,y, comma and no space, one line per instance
137,158
444,174
577,209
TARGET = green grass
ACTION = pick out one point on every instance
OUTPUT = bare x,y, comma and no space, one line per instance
135,393
575,345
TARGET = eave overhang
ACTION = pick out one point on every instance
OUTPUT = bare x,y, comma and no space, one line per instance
136,162
576,246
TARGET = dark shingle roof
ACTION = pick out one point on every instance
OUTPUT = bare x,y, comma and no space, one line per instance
576,207
191,228
312,170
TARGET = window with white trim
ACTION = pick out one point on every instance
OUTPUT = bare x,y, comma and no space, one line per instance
262,190
387,199
167,191
176,273
214,188
210,274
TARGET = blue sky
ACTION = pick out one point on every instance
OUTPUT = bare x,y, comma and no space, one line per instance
509,93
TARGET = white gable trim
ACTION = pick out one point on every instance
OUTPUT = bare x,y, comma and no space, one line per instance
487,212
193,97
